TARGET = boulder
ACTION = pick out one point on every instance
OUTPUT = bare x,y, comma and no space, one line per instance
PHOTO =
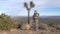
25,26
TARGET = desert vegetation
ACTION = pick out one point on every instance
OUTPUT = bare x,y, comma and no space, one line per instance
23,25
29,8
9,26
6,22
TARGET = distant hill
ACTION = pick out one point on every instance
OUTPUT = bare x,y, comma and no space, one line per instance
42,19
55,19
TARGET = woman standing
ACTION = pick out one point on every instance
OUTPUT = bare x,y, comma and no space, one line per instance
35,18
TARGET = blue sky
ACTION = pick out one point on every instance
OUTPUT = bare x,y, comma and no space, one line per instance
43,7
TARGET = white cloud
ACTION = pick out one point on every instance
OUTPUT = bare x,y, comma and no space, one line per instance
47,3
16,6
51,3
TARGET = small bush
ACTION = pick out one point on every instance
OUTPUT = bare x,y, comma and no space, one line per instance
23,22
49,23
6,22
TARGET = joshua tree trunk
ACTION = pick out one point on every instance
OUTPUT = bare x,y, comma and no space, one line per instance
28,16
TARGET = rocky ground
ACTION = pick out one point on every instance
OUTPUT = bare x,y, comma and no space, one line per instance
15,31
42,30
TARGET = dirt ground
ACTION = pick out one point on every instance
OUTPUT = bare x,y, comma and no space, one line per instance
28,32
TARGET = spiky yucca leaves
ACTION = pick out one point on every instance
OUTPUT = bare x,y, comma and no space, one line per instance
26,5
32,4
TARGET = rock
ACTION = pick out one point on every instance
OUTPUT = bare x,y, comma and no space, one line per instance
13,30
25,26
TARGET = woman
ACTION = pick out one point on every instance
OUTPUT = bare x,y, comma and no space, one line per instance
35,18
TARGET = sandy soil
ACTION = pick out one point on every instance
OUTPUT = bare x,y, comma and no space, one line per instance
28,32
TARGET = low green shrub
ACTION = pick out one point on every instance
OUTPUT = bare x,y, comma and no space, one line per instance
49,23
6,22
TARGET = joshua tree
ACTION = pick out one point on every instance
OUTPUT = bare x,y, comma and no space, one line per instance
28,9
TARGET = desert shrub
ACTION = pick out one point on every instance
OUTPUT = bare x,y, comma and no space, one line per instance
6,22
23,22
49,23
43,27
